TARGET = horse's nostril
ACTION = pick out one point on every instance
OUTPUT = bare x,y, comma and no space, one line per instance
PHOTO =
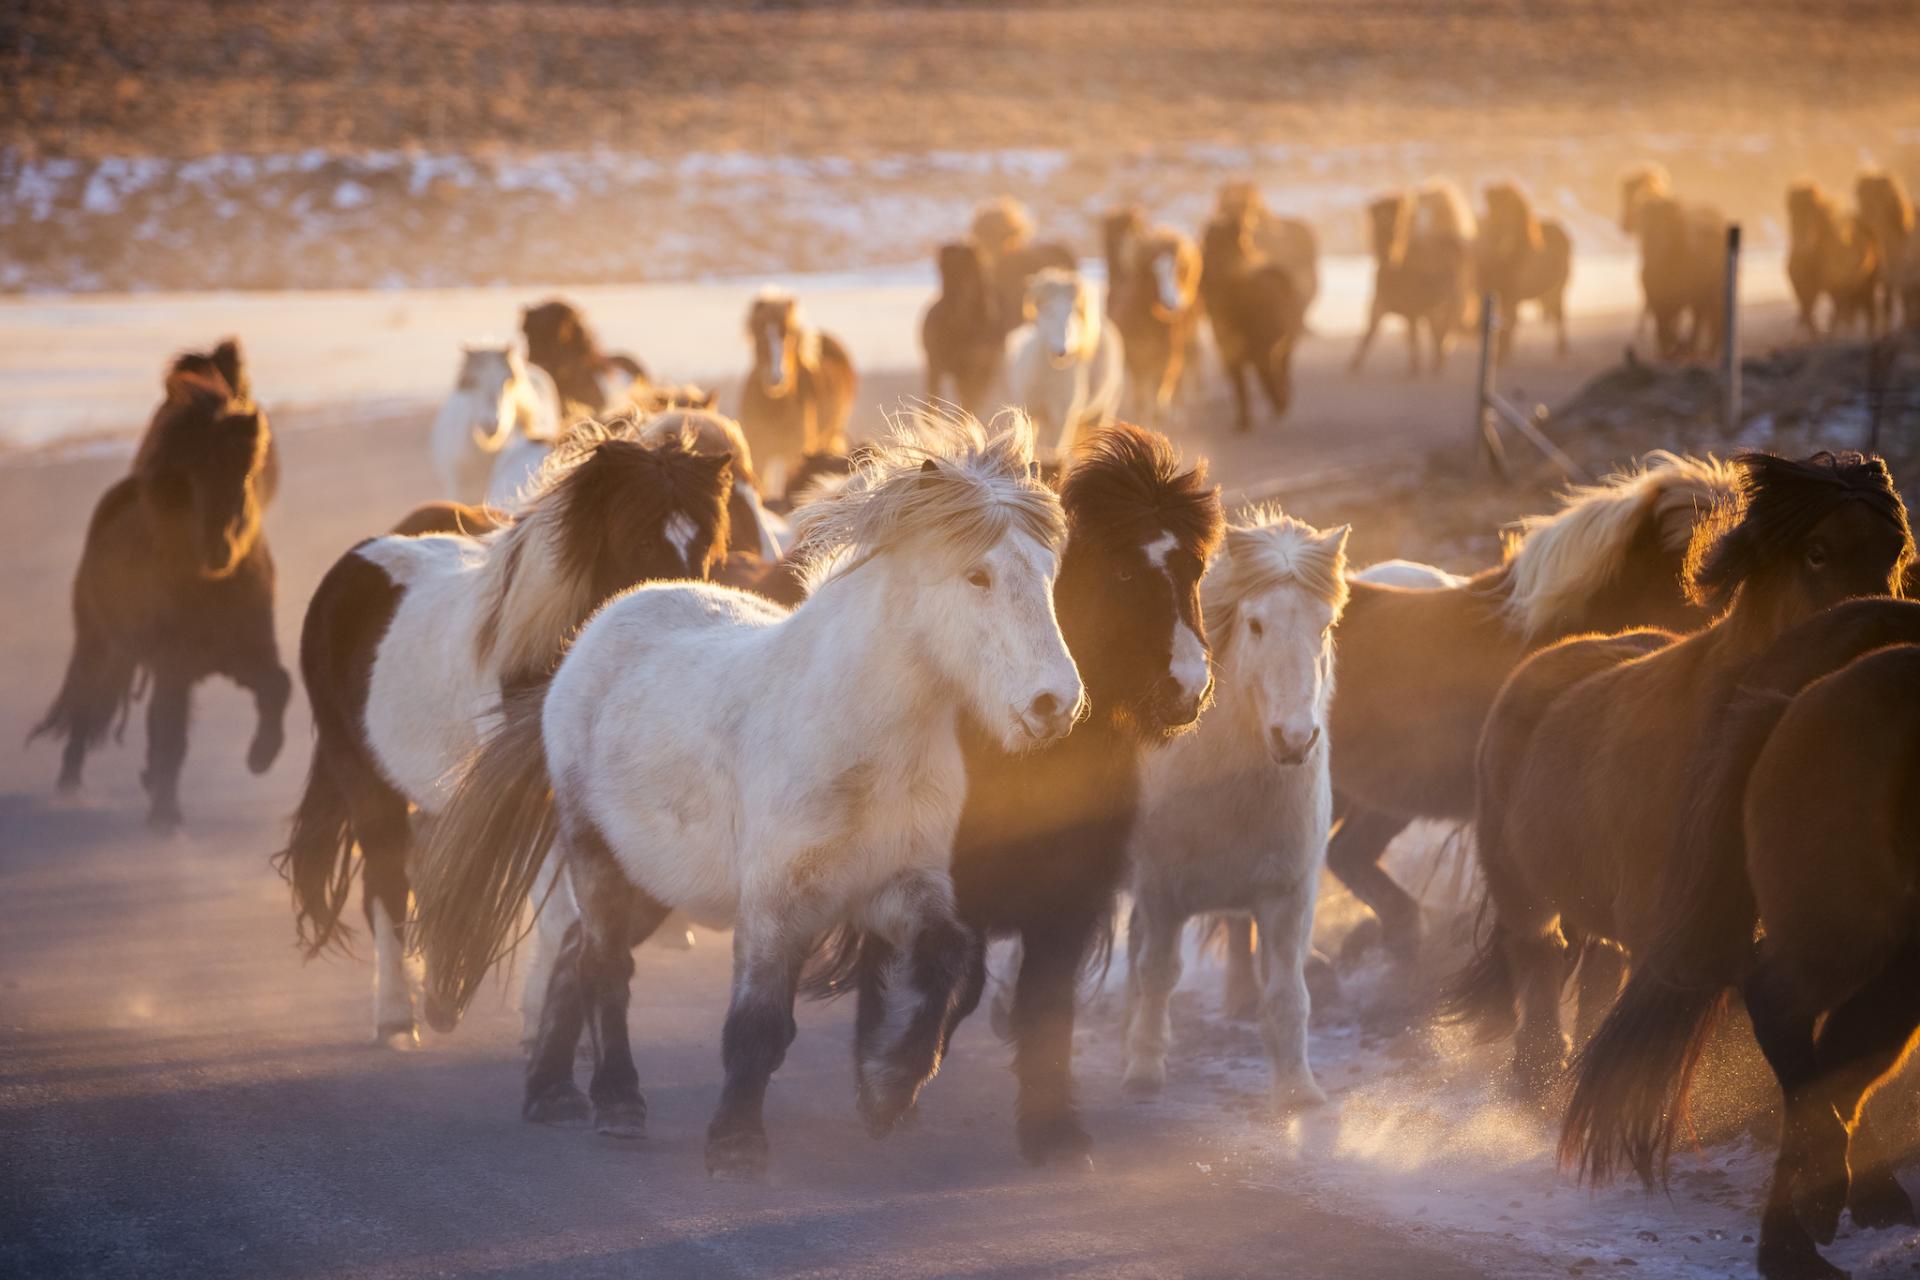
1046,705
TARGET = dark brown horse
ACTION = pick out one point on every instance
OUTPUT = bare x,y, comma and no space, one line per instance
590,381
1255,315
1585,763
963,332
1634,1076
798,395
176,584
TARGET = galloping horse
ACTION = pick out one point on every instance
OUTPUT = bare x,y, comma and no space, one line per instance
1524,258
797,397
496,399
963,332
1067,366
1153,288
1254,312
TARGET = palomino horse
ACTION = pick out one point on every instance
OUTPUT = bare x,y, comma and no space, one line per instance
495,399
175,582
1683,263
798,395
1634,1076
1888,215
1422,271
1255,315
1831,254
1585,763
409,642
1042,842
1067,366
590,382
1153,298
1235,815
963,332
1523,258
700,748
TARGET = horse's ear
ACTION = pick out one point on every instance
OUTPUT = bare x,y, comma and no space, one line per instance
1239,540
233,367
929,471
1335,540
1033,469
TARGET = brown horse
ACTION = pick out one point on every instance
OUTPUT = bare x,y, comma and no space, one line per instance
1254,313
1726,858
176,583
1153,298
1888,215
1683,263
963,332
1523,259
1002,232
1286,242
1831,254
1584,764
1427,279
590,381
798,395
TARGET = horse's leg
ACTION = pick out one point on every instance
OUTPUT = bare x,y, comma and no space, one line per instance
1537,958
554,912
767,958
615,917
931,966
381,826
1784,1032
973,983
257,669
551,1096
1241,999
91,692
1153,970
1243,418
1413,346
1556,308
1045,1121
1366,340
1603,968
1286,937
1353,855
1858,1047
167,714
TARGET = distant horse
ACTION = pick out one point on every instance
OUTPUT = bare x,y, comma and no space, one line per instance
1424,277
224,363
175,584
495,398
1254,314
751,528
1683,263
1635,1074
1235,816
1888,215
798,395
1523,259
963,333
1584,764
1831,254
1153,299
451,517
409,643
1002,232
1066,368
590,382
1288,242
703,749
516,467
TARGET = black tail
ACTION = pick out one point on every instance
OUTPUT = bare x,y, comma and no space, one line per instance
318,862
836,964
1482,992
95,695
482,856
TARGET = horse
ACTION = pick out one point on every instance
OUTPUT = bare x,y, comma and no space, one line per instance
1255,315
1153,286
1235,816
1287,242
1629,1099
1888,216
409,643
175,584
703,749
1425,278
224,363
798,394
495,399
590,382
1066,367
1583,767
963,333
1831,254
1523,259
1683,263
1002,232
516,467
451,517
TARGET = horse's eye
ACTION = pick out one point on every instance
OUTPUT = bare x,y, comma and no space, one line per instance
1125,575
1816,555
980,579
1254,628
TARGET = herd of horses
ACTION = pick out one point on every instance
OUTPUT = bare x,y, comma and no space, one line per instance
875,707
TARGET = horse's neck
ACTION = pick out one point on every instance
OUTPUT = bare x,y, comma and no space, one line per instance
844,637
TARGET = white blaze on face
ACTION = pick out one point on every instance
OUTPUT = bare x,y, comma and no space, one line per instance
1164,276
1057,315
1189,667
681,531
776,370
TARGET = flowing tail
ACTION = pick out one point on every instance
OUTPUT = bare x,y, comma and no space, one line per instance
1482,993
95,696
318,862
482,857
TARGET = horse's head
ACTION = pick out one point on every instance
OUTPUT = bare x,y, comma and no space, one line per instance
1174,264
1807,535
199,481
773,322
1636,187
1001,226
1883,202
963,276
1811,214
1272,601
489,377
1389,223
949,521
1240,200
716,435
1140,532
556,335
1511,228
1061,309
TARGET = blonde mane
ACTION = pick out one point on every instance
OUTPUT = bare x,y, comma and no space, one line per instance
1001,225
1555,562
1638,185
1265,548
707,431
1444,211
939,477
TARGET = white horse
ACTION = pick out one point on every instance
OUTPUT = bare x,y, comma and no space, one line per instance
497,401
1066,366
702,749
1235,816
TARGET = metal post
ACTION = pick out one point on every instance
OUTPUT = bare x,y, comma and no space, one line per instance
1730,334
1483,412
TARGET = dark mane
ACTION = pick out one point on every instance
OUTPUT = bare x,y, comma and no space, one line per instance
1781,500
224,363
559,341
1127,484
622,497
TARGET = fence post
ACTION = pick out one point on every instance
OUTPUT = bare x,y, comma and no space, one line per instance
1730,334
1483,397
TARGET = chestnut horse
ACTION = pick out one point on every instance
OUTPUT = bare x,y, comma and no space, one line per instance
1153,285
797,397
589,380
1584,767
1255,315
1523,259
1423,275
963,333
1831,254
1683,263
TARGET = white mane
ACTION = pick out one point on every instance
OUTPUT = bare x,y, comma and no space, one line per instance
1264,548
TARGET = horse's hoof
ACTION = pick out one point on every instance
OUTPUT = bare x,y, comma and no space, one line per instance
1143,1086
881,1108
1878,1200
621,1119
164,823
396,1035
1289,1097
1817,1203
560,1104
1055,1140
439,1016
739,1154
264,750
1794,1259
